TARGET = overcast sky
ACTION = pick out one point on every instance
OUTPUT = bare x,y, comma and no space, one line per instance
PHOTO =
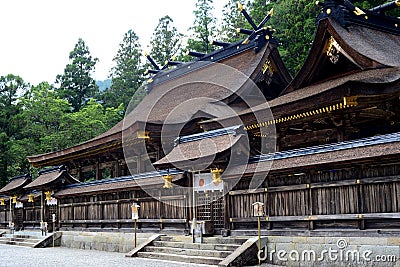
37,35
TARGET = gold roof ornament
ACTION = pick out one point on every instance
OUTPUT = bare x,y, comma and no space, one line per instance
31,198
2,201
14,199
240,6
167,181
216,175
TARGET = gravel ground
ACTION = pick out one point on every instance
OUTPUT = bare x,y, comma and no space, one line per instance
59,257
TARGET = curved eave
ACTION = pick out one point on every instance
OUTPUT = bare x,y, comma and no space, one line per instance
91,147
15,185
367,49
201,150
51,179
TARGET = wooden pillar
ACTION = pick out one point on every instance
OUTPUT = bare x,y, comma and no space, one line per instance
98,170
80,173
267,207
190,194
360,198
310,199
227,207
118,168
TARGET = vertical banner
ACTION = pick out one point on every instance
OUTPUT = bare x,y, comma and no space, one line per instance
204,182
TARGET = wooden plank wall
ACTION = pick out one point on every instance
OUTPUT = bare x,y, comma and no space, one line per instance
4,215
32,214
114,209
352,197
361,196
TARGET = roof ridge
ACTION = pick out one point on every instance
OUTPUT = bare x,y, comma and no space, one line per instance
346,14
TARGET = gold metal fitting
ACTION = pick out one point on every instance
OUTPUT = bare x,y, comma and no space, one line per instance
167,181
216,175
358,11
48,195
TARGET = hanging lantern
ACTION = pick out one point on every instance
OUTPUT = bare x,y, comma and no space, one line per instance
31,198
2,202
14,199
216,175
167,181
48,195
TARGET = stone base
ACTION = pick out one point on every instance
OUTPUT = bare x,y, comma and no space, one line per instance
104,241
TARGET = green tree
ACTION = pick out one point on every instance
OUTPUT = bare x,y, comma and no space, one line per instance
166,40
204,27
44,114
10,87
76,84
258,9
50,126
92,120
294,21
127,75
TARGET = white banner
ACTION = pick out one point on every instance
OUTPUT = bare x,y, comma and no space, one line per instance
19,205
204,182
52,202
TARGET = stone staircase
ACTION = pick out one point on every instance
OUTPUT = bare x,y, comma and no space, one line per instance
212,251
26,239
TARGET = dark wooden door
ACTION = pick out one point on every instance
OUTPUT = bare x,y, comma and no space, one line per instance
210,207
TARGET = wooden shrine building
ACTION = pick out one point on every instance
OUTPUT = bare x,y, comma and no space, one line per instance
231,128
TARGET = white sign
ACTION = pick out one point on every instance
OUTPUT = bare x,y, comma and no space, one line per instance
135,211
19,205
204,182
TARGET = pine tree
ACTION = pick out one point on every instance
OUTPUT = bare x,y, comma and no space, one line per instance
294,21
76,84
166,41
127,74
10,87
204,27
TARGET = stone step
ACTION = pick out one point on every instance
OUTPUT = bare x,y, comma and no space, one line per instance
188,252
17,243
208,240
180,258
20,239
173,244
